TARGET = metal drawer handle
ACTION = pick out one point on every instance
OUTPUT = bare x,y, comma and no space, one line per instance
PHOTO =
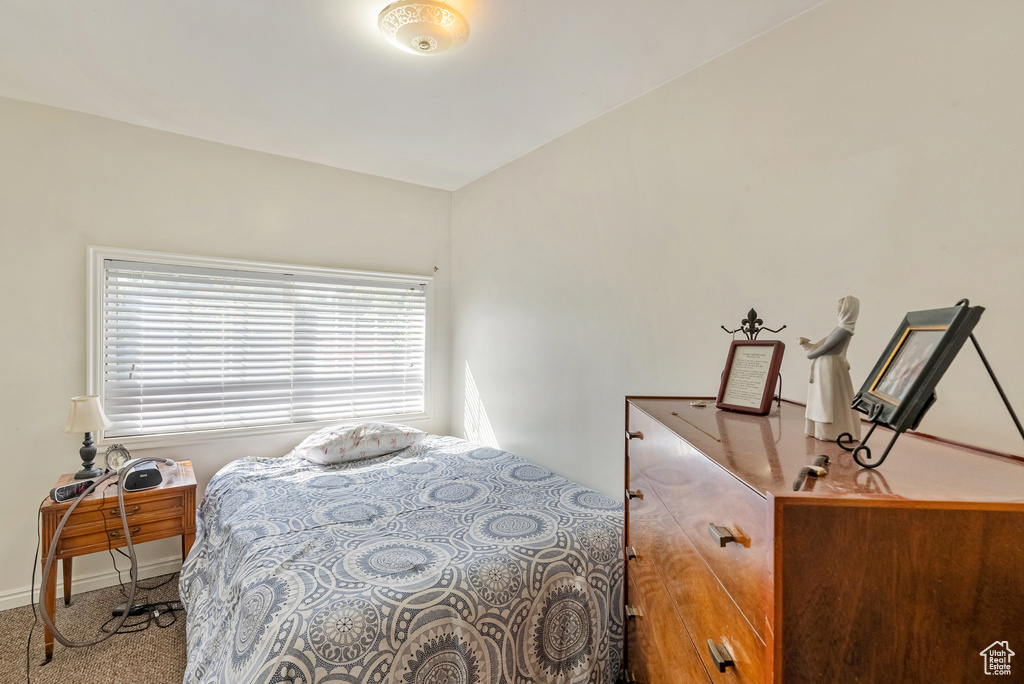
630,678
721,655
721,535
633,613
634,435
630,553
634,494
116,534
116,512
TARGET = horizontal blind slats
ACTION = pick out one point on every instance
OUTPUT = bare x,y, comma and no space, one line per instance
187,349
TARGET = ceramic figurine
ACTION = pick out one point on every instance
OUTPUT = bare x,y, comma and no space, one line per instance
830,392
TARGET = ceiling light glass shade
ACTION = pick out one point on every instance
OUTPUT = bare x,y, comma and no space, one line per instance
423,27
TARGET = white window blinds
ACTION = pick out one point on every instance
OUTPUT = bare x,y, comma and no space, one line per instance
189,349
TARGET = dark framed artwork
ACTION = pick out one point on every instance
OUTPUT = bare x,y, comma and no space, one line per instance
751,372
901,386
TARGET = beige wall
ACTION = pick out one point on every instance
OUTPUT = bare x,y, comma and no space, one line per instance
868,147
69,180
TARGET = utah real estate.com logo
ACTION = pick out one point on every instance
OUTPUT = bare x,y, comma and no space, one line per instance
997,658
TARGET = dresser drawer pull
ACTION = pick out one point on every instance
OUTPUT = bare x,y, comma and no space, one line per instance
634,494
116,512
632,613
630,553
116,534
721,535
634,435
721,655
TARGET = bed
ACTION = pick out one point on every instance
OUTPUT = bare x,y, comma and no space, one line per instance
443,563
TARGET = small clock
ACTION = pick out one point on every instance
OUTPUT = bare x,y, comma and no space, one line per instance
115,457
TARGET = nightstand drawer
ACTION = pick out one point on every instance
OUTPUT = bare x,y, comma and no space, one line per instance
113,536
137,510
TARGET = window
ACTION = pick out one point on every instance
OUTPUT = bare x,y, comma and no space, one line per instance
194,345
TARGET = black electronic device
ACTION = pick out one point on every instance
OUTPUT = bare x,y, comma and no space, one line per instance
143,476
133,611
70,491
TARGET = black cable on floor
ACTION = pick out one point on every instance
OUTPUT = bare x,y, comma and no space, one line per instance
153,614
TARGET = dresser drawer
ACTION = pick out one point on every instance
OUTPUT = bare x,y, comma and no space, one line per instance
660,648
699,494
113,537
704,605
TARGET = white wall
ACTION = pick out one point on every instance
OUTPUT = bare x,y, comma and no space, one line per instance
868,147
69,180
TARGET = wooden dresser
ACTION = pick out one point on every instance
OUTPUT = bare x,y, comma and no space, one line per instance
901,574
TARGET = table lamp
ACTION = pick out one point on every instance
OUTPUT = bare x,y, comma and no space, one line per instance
87,416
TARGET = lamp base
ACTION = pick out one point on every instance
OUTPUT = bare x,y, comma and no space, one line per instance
88,455
88,474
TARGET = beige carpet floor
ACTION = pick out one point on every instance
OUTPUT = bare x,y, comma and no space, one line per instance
153,656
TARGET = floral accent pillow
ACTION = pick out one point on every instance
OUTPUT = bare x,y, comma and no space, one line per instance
344,443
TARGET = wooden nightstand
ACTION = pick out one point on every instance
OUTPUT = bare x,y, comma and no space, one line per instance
165,511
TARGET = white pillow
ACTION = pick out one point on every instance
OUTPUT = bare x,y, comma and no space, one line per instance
343,443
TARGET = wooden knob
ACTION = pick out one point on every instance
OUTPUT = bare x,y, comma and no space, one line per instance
634,494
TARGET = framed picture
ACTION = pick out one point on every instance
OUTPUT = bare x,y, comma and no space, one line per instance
751,372
901,386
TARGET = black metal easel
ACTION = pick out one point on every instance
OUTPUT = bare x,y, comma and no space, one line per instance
873,416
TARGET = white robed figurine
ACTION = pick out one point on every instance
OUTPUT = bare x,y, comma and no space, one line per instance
830,392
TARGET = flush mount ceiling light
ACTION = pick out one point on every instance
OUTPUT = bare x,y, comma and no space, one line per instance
423,27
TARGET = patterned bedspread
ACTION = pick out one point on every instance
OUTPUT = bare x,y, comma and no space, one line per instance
445,563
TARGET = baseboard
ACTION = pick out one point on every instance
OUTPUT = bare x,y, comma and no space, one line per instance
13,598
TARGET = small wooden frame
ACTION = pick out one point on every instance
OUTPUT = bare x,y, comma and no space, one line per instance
751,373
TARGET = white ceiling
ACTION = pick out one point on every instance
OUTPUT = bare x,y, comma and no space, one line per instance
312,79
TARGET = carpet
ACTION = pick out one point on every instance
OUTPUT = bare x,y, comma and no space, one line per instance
152,656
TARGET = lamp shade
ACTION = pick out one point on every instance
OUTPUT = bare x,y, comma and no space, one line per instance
86,415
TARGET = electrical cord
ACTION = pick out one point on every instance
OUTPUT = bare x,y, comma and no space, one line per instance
121,474
113,561
32,592
150,615
110,549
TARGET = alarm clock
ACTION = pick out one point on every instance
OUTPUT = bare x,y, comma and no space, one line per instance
115,457
70,491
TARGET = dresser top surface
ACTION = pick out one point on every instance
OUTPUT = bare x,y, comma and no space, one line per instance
767,453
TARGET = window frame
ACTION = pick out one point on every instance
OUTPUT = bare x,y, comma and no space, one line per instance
94,338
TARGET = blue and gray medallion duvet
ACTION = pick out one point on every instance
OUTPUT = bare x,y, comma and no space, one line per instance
445,563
